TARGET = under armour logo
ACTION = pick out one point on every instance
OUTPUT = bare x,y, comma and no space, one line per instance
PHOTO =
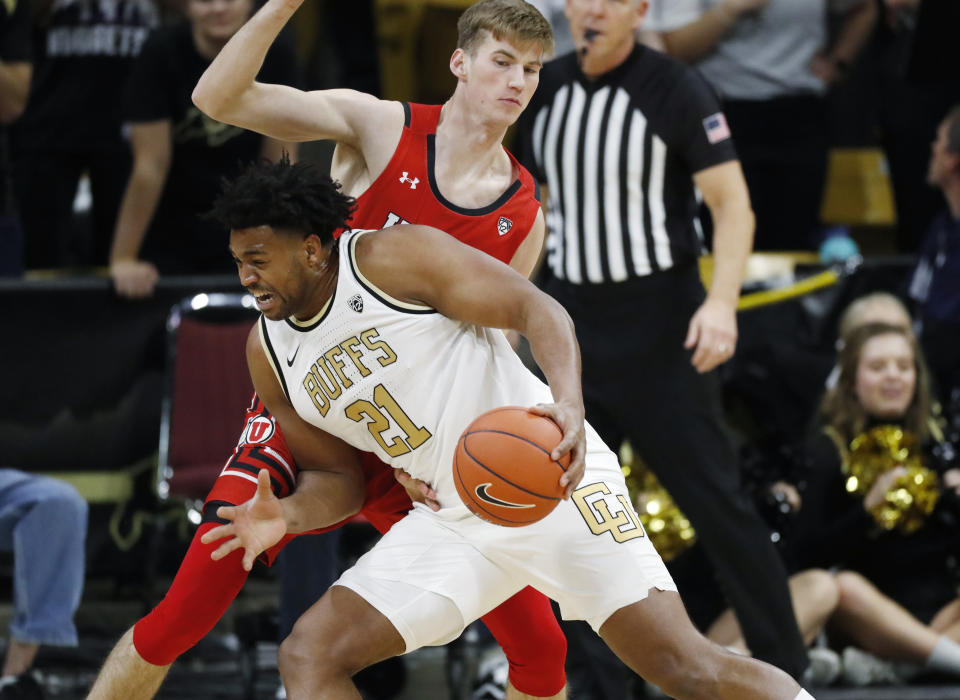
504,225
356,303
413,182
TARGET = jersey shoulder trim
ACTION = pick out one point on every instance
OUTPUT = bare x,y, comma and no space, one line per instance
395,304
311,323
420,118
482,211
272,355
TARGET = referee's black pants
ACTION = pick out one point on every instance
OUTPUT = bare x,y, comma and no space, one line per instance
639,384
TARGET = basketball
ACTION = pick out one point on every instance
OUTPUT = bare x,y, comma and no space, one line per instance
503,470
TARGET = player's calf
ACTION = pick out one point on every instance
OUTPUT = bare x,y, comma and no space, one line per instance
337,637
673,655
126,675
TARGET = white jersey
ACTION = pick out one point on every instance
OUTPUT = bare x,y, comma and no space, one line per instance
398,379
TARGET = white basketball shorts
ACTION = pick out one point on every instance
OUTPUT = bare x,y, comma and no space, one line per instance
590,554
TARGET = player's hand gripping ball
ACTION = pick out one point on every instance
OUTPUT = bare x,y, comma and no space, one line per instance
503,470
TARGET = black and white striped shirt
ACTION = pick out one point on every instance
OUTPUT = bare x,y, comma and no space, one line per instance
618,154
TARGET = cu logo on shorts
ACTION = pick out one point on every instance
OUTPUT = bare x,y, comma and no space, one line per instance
259,429
604,512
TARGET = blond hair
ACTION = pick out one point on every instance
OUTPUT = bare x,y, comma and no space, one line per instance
859,312
514,20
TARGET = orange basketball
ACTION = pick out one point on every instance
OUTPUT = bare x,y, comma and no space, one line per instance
502,466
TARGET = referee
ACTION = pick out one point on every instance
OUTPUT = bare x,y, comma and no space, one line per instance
623,138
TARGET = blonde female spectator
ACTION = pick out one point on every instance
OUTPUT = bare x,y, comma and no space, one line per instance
898,595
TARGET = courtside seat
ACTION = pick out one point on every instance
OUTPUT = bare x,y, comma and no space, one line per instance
207,388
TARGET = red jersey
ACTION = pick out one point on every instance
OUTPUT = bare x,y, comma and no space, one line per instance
406,192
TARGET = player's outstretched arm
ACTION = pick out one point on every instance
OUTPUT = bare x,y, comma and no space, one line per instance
492,295
228,92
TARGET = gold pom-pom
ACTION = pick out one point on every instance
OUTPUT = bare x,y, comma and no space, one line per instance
912,496
909,500
878,451
668,528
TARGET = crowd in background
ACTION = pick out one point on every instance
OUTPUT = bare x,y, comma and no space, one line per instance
105,164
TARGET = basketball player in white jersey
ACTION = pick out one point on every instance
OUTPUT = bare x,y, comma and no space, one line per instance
386,349
438,165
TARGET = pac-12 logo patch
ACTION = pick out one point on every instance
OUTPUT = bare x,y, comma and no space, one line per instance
504,225
259,429
356,303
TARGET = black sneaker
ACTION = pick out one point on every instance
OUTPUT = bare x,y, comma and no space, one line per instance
23,687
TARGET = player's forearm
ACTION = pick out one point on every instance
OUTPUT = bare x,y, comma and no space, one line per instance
732,243
14,88
553,342
232,74
322,499
137,209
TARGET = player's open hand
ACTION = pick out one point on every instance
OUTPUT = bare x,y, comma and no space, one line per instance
713,332
255,525
419,491
571,422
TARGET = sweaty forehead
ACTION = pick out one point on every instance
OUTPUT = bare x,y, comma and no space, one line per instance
249,241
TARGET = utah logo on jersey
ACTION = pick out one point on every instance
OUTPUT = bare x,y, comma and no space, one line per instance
393,220
258,429
504,225
356,303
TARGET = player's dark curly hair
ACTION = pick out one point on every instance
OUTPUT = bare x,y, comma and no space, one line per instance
295,197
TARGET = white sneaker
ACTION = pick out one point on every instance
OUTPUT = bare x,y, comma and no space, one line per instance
493,670
863,669
824,668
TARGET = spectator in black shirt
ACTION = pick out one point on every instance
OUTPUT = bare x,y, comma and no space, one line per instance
935,283
15,71
71,126
623,137
180,154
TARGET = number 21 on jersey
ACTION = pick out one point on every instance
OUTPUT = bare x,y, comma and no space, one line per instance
381,415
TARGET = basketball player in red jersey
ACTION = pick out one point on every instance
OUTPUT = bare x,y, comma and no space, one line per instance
405,163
